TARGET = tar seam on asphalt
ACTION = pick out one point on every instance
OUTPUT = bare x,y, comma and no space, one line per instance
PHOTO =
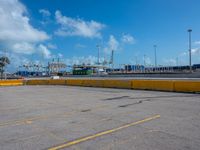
164,96
154,97
116,98
85,110
126,105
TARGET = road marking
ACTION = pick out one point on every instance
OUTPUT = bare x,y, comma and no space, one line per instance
32,119
90,137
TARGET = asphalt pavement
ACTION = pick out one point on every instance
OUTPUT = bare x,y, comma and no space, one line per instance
63,117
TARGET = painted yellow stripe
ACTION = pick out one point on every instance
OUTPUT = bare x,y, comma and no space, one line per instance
30,120
77,141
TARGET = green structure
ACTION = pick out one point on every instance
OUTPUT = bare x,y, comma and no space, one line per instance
82,72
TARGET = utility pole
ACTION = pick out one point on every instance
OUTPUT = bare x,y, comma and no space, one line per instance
155,54
177,61
144,60
98,47
190,50
144,63
112,59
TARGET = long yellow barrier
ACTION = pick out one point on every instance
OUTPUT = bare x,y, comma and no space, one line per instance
74,82
37,82
11,82
93,83
57,82
124,84
187,86
159,85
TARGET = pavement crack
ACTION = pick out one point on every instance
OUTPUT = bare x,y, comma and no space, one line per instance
126,105
85,110
116,98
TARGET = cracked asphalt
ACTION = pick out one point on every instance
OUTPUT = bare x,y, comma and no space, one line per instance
63,117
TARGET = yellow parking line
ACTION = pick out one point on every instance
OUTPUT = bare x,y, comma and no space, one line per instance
31,119
77,141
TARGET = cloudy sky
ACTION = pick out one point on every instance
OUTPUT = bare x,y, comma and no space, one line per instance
40,30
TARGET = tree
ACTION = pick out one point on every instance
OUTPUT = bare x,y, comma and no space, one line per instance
3,62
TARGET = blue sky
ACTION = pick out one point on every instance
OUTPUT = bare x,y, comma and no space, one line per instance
40,30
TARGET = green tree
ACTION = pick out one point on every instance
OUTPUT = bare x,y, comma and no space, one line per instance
3,62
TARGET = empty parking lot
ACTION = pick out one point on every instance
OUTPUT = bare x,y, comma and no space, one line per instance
63,117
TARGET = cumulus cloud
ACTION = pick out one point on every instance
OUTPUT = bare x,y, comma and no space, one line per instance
29,48
112,44
45,16
44,51
14,24
23,48
16,32
51,46
77,27
60,55
45,12
89,60
170,62
80,45
195,51
127,38
197,42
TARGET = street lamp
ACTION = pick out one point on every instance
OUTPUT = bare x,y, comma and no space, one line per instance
144,63
155,54
98,46
190,50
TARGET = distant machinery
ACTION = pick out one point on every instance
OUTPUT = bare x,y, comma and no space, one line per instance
56,66
88,69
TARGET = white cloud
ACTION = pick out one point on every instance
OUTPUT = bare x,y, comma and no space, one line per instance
147,61
45,16
127,38
80,45
44,51
51,46
170,62
113,43
77,27
60,55
23,48
29,48
14,24
17,34
195,51
197,42
45,12
91,60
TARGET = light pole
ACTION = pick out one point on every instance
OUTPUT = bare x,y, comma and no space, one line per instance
144,60
98,47
155,55
190,50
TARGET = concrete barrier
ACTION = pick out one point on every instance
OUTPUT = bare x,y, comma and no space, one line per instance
11,82
57,82
124,84
93,83
74,82
100,83
187,86
36,82
161,85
